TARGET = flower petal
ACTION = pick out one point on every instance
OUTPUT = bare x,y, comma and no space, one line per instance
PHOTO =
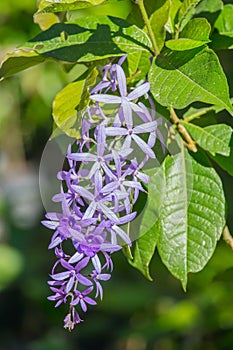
83,192
80,157
75,258
90,210
115,131
61,276
144,146
121,80
139,91
146,127
105,98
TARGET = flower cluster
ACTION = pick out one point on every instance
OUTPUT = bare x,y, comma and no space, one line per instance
98,191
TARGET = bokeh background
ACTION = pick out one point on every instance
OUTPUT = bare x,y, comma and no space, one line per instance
135,314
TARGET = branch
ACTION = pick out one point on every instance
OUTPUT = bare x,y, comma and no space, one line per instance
190,144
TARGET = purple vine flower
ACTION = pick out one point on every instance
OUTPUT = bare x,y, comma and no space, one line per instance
98,191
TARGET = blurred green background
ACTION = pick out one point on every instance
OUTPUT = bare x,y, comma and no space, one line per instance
135,314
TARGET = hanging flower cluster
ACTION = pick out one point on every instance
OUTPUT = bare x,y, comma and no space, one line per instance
98,190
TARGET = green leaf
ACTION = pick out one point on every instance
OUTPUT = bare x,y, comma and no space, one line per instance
193,113
195,33
185,12
45,20
213,138
115,8
158,20
135,16
64,5
146,224
184,44
221,42
180,78
174,8
90,39
197,29
144,251
224,162
211,6
138,66
70,101
19,60
192,214
224,23
133,60
113,36
65,104
210,9
151,210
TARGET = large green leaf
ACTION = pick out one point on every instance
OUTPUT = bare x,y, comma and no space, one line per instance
146,225
158,20
213,138
192,215
180,78
88,39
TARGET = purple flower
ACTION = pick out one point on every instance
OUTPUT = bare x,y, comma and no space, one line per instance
97,277
125,100
132,134
59,296
72,274
83,299
72,319
98,190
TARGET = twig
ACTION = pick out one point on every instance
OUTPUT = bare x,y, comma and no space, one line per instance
190,144
227,237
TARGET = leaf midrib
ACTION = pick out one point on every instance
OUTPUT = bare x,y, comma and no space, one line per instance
186,213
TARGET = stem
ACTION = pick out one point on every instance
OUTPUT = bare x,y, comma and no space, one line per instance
140,3
191,145
198,114
227,237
